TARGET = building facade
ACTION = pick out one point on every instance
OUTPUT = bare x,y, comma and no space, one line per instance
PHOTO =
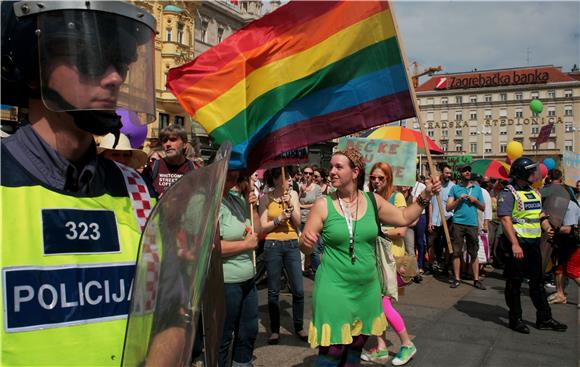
478,113
185,29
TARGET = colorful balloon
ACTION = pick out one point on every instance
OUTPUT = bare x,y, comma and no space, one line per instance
550,163
536,106
514,150
132,127
543,170
538,184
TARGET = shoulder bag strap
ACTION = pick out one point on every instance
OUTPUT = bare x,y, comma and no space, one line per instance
374,202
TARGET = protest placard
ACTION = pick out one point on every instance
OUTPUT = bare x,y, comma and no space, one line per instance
400,155
571,168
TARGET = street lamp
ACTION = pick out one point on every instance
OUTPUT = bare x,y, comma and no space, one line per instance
483,132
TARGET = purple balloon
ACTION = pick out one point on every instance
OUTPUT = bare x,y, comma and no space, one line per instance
135,130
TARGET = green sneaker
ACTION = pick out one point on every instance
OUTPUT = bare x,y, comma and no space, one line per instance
374,354
404,355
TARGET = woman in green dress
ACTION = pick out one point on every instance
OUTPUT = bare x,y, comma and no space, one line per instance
346,300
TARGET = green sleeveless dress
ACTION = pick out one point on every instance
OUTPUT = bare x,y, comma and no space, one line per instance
346,299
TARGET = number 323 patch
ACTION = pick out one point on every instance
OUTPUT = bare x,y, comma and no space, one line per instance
74,231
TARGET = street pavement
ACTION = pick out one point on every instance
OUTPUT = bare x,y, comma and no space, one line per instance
450,327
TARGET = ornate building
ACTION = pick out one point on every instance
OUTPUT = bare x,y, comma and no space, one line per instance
184,30
478,113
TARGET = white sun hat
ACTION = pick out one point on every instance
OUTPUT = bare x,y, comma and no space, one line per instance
138,157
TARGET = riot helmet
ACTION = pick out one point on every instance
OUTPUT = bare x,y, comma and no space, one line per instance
526,169
79,56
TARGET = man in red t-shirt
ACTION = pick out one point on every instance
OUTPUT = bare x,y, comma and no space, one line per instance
166,171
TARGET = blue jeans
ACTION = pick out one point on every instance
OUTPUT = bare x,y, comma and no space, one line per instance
241,322
278,254
316,254
421,241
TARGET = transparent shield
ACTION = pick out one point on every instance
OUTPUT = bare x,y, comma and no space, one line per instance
175,253
91,60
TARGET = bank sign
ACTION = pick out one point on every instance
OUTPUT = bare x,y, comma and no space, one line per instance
485,80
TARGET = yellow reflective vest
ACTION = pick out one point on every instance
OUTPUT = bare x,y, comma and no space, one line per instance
526,212
67,270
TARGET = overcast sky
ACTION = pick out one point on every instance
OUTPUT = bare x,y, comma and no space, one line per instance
461,36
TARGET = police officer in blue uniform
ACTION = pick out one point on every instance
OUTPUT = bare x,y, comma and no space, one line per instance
69,233
520,211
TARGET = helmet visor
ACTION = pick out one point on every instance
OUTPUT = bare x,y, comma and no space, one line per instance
91,60
535,174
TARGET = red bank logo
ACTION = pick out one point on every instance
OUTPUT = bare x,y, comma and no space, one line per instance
441,83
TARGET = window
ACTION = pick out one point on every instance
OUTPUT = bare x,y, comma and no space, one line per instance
168,35
444,147
415,126
179,120
567,110
519,113
503,132
568,146
458,132
473,147
444,115
535,95
503,97
519,97
458,147
458,115
473,131
535,130
551,94
204,26
163,120
568,93
487,98
519,132
220,34
430,133
473,115
568,127
503,148
487,114
444,133
552,111
444,100
473,99
180,33
503,113
488,147
429,116
459,99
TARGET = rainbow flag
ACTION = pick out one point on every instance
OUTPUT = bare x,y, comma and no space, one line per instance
308,72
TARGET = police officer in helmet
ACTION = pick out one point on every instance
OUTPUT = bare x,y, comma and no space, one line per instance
520,211
69,232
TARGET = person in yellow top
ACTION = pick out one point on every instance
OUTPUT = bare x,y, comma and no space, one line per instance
280,221
381,182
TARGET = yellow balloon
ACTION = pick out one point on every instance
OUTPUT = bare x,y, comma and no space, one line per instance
538,184
514,150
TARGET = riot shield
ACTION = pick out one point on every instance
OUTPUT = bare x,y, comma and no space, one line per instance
172,268
556,203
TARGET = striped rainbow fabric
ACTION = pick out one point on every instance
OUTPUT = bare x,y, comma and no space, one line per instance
308,72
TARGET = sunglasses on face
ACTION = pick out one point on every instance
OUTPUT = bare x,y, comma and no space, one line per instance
374,178
306,173
317,176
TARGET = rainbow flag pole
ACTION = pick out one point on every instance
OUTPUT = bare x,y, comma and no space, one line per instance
308,72
419,116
